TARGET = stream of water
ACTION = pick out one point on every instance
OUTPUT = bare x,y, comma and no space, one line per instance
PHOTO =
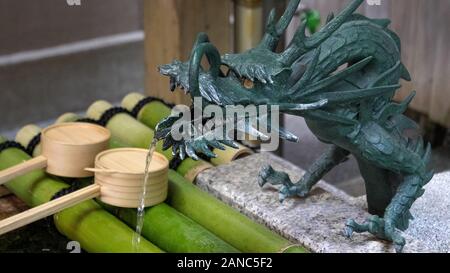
141,209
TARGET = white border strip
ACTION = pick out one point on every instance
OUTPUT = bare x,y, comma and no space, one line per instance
71,48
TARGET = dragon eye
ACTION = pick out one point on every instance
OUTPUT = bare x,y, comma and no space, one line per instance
248,84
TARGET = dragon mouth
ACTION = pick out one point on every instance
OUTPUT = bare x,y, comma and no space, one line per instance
174,84
177,72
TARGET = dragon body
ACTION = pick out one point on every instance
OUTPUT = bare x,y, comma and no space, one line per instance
342,80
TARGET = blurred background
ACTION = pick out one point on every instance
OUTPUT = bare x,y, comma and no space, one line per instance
59,56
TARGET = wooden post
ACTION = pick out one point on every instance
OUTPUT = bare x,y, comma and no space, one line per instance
249,24
423,28
171,27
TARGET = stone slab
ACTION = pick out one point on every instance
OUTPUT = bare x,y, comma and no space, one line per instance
432,215
316,222
431,225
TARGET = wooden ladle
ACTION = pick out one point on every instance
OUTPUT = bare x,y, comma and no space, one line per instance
119,178
67,150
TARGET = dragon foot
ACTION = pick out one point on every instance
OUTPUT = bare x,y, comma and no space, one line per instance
378,227
269,176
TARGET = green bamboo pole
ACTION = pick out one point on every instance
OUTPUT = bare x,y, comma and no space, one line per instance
26,134
225,222
152,113
163,225
94,228
174,232
128,130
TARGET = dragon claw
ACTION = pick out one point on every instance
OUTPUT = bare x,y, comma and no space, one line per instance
230,143
378,227
348,232
349,229
264,175
284,194
269,176
399,247
190,146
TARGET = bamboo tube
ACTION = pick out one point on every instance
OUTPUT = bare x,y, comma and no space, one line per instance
93,227
174,232
67,117
128,130
26,134
169,229
152,113
225,222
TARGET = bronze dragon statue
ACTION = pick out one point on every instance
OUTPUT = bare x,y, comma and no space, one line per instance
342,80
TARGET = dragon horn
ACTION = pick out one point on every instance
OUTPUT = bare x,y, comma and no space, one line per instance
274,31
333,25
301,44
214,60
293,52
201,38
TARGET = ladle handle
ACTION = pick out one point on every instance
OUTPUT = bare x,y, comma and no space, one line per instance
50,208
36,163
94,170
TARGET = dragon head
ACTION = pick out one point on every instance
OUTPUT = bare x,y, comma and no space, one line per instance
233,79
260,76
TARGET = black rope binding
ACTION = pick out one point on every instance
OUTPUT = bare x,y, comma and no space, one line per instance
34,142
88,120
74,186
108,115
145,101
12,144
